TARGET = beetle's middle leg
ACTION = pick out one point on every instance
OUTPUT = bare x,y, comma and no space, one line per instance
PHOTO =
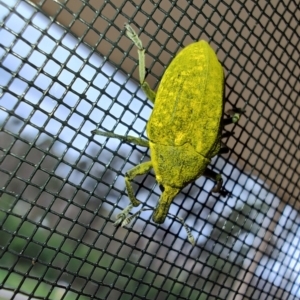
125,138
234,116
129,176
224,149
142,71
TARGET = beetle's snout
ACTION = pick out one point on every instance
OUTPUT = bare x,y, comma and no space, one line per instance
158,217
162,209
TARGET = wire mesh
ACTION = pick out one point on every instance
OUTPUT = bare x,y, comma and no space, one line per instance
66,69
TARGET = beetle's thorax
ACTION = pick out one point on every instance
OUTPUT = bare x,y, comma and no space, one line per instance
177,166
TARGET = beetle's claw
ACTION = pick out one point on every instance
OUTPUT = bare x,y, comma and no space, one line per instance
121,217
131,34
218,186
128,220
236,117
124,219
118,222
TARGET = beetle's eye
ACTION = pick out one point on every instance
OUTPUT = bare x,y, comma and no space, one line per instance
161,187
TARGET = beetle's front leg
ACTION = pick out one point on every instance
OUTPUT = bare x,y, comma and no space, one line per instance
142,71
129,176
234,116
125,138
216,177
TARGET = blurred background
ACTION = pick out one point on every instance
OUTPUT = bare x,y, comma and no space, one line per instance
67,68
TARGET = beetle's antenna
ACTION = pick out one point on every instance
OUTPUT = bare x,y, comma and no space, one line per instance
124,221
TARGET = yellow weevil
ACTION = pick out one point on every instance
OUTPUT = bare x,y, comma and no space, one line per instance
184,129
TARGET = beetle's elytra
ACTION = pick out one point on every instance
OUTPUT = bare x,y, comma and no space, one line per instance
184,129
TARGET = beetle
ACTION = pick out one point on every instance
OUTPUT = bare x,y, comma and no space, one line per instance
184,129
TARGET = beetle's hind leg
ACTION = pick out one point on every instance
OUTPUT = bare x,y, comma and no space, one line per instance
234,116
216,177
142,70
